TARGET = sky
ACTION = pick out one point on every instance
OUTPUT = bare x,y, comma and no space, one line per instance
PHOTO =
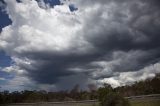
56,44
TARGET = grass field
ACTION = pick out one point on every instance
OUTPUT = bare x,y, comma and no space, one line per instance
141,102
146,102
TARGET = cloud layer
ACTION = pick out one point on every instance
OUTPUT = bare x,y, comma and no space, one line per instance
105,40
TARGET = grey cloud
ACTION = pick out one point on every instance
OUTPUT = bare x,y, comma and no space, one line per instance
127,39
130,26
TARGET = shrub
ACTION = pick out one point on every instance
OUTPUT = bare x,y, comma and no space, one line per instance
114,99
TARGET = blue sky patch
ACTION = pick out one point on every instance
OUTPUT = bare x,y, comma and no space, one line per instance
4,19
52,2
72,7
4,59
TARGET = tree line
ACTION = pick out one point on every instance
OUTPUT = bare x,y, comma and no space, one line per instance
149,86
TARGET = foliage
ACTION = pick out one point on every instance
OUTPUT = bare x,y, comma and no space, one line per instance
108,97
148,86
114,99
105,94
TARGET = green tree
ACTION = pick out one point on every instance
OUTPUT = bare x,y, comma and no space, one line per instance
114,99
108,97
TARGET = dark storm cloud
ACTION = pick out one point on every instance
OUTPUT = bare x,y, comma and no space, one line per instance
49,67
139,31
126,37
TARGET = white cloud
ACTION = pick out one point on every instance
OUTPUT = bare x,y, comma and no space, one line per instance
18,83
36,29
97,40
33,29
1,78
131,77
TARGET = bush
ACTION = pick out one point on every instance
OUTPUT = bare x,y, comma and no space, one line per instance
114,99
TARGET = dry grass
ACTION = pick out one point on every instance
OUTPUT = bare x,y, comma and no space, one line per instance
145,102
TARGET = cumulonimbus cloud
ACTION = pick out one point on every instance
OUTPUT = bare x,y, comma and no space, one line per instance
100,40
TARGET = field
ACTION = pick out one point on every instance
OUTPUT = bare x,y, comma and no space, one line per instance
133,102
145,102
137,102
141,102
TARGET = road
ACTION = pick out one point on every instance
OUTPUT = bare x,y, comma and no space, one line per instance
82,103
69,103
